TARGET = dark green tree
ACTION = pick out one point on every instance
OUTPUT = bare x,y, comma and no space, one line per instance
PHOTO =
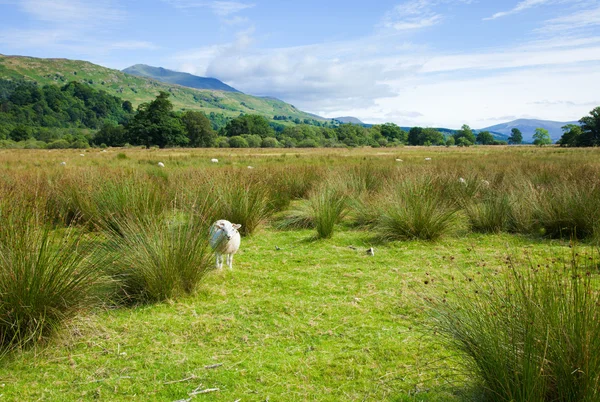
156,124
466,133
393,132
414,136
20,133
590,129
571,136
198,129
485,138
111,135
249,124
516,136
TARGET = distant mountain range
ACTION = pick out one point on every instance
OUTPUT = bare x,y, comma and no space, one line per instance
349,119
178,78
528,126
138,89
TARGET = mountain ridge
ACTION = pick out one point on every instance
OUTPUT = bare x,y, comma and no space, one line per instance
178,78
528,126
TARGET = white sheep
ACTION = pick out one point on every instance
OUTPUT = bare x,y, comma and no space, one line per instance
427,159
81,154
398,160
214,160
462,181
161,165
250,167
63,164
224,239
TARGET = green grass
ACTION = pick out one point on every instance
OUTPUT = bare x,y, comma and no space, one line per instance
297,319
312,321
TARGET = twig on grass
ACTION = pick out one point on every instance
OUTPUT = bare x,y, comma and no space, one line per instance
213,366
205,391
192,377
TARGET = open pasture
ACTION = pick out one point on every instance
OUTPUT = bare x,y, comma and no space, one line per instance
305,314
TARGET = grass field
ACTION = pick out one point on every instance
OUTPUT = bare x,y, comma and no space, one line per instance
298,318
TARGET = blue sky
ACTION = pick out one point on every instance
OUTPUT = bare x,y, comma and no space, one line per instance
414,62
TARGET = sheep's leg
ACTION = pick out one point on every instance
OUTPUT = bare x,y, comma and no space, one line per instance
219,262
230,261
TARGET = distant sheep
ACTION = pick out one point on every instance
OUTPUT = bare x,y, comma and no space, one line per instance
462,181
485,183
427,159
250,167
224,239
63,164
161,165
398,160
213,160
81,154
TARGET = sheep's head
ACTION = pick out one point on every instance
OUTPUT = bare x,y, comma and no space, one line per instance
229,229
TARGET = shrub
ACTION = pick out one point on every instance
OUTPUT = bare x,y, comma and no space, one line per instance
531,334
328,204
415,210
45,278
158,258
489,215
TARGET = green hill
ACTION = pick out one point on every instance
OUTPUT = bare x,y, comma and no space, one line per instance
138,90
178,78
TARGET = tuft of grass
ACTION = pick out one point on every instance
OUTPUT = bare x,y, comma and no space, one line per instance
489,215
159,258
244,202
46,278
531,334
415,210
566,210
328,204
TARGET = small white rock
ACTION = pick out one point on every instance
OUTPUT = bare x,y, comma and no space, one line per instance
160,164
462,181
398,160
213,160
485,183
63,164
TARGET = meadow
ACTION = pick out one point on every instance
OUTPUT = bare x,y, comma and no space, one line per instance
482,286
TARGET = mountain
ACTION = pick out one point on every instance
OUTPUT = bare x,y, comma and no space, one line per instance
528,126
138,90
349,119
175,77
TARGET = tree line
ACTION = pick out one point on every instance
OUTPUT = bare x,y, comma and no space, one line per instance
76,115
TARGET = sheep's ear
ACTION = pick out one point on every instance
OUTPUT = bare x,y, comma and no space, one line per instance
220,225
236,226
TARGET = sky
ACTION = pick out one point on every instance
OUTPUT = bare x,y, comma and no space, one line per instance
433,63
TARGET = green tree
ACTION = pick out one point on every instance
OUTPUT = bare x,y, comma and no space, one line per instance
485,138
198,129
516,136
156,124
414,136
238,142
450,141
249,124
111,135
393,132
590,127
466,133
541,137
571,136
20,133
431,136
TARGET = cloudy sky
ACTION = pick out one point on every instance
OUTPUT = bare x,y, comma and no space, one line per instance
418,62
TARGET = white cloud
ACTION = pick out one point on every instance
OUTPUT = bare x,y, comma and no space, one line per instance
523,5
220,8
410,15
581,19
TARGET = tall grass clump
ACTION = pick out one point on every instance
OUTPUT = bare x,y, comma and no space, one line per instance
530,334
118,200
490,214
46,277
566,210
415,209
158,258
328,204
243,200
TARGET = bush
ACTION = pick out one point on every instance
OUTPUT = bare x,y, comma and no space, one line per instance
531,334
415,210
45,278
59,144
238,142
157,258
328,204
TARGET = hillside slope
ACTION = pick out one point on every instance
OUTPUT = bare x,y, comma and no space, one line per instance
138,90
178,78
528,126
